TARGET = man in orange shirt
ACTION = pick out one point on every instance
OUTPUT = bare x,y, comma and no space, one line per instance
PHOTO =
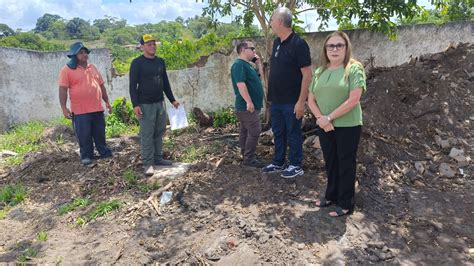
86,92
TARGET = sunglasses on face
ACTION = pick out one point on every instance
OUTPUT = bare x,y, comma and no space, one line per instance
334,47
251,48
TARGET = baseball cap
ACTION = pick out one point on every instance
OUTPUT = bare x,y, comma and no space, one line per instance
147,38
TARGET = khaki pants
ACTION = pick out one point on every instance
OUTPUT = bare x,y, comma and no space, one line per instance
152,129
250,129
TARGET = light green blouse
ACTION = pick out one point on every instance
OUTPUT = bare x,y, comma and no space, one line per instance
331,89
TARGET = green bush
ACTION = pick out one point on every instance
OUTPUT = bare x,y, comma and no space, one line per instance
122,120
224,117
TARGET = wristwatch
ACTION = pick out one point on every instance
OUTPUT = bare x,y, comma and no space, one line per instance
329,118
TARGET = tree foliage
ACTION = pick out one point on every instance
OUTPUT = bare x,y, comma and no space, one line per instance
5,31
451,10
45,22
28,40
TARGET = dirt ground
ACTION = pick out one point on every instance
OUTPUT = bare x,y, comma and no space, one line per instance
414,202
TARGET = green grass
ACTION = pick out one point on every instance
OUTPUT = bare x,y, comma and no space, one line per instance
26,138
100,210
104,208
75,204
192,153
22,139
42,236
12,194
148,187
4,212
130,178
28,254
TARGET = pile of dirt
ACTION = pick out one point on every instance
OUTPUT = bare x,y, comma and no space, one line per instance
414,200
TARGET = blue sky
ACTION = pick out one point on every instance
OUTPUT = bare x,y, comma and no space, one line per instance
24,13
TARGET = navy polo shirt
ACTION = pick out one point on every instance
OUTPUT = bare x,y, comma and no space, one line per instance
288,57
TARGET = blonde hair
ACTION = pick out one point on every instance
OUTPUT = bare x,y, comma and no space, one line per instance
348,60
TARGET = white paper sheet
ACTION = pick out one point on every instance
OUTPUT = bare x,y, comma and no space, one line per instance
177,117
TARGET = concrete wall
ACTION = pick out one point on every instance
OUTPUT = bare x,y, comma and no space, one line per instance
28,79
28,83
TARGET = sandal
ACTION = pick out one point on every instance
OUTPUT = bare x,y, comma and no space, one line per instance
324,203
341,212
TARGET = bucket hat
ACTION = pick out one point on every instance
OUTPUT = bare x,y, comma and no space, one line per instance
75,48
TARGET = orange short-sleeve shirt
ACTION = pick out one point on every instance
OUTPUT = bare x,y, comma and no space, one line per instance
84,88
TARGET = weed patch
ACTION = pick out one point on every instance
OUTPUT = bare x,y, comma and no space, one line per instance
130,178
75,204
100,210
27,255
42,236
193,153
224,117
12,194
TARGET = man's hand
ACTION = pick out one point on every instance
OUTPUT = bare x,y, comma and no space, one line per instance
67,114
299,110
109,107
138,112
175,104
250,107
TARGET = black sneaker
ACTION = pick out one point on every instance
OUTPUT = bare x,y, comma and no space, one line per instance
254,163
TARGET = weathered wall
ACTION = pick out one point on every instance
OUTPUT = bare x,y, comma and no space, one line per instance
28,80
28,83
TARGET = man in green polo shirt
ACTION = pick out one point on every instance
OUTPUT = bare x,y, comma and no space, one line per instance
248,101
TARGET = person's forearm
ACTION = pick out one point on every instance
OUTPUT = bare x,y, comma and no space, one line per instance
306,71
347,105
313,106
63,97
244,92
105,96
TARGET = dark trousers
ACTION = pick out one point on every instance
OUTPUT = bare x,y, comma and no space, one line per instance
340,150
286,132
250,129
90,130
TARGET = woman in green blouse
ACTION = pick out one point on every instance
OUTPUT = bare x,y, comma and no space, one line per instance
334,97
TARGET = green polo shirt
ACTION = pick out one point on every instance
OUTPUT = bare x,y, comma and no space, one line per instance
331,89
242,71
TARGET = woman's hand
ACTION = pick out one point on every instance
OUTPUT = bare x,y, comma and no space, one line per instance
328,127
323,121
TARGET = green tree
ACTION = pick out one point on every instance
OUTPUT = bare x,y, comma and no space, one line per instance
451,10
81,29
5,31
74,27
28,40
109,22
45,22
199,26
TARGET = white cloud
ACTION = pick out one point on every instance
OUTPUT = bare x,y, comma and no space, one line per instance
24,13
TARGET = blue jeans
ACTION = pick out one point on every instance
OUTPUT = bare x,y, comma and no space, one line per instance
286,132
90,130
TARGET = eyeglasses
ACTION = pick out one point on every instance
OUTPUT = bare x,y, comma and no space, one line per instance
334,47
251,48
277,50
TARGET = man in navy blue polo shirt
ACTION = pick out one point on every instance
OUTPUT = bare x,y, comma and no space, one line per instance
290,76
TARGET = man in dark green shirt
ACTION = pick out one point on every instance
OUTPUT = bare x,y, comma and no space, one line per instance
148,82
248,100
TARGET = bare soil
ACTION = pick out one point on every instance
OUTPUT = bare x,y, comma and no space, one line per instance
414,202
